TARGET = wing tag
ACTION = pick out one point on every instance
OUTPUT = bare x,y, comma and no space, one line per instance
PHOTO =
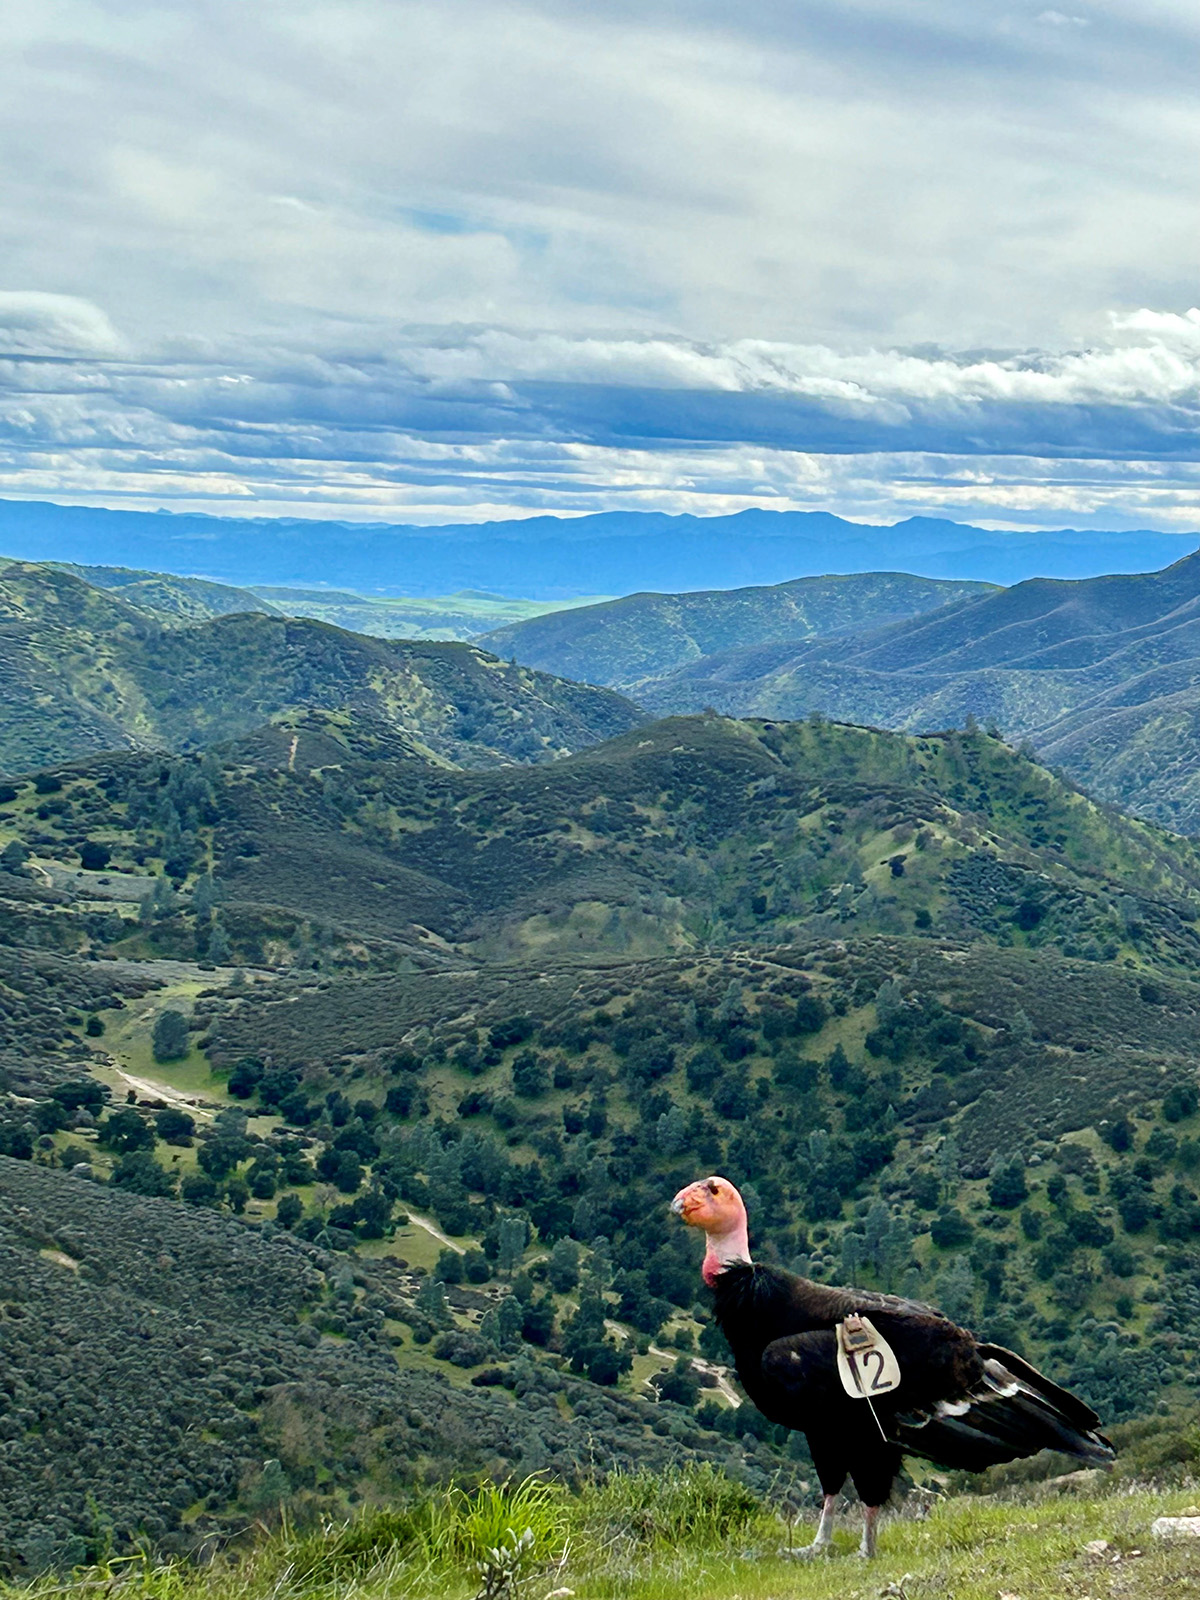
867,1364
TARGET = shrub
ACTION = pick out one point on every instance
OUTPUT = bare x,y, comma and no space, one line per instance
462,1349
124,1131
141,1174
697,1508
175,1126
1180,1101
949,1229
810,1015
170,1039
1008,1187
530,1075
449,1267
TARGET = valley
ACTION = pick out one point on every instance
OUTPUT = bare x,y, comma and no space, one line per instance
449,1039
398,987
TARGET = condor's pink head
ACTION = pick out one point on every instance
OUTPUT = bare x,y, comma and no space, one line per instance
714,1205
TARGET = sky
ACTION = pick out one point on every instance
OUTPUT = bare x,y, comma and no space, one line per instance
388,261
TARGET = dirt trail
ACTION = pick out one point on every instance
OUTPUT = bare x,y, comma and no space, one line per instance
432,1227
148,1089
723,1383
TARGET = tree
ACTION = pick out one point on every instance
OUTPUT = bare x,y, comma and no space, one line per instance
680,1384
476,1266
538,1324
563,1266
218,1157
139,1173
1008,1187
289,1210
530,1075
950,1228
1180,1101
124,1131
373,1212
1119,1134
449,1267
956,1290
94,1027
513,1235
93,856
163,896
198,1189
49,1116
430,1301
175,1126
170,1039
14,856
81,1095
340,1167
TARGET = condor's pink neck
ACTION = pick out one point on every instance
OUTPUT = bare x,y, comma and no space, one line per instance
725,1250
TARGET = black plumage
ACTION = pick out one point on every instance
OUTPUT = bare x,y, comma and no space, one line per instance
960,1403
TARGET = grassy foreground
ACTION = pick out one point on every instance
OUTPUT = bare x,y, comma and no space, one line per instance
694,1534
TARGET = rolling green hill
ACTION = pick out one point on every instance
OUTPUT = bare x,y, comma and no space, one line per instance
1102,675
397,1065
166,596
624,641
82,671
679,835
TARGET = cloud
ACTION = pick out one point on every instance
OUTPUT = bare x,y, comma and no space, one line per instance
415,260
33,324
451,423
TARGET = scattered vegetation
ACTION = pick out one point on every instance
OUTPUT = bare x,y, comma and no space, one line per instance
342,1205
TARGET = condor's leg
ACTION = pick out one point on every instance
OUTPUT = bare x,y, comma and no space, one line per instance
831,1470
870,1517
874,1473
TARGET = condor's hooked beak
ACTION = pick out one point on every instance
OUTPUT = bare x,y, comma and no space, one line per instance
677,1204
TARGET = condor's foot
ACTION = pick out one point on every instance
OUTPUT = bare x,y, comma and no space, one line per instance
823,1542
866,1549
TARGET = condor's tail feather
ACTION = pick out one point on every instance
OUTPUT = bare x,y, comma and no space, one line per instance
1015,1411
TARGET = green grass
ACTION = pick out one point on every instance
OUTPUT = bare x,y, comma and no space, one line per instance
689,1534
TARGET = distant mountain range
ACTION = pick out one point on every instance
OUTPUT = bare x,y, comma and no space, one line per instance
548,558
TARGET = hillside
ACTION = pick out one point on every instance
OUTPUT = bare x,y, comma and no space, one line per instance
1102,676
682,834
643,635
83,671
226,1361
550,558
170,598
411,1058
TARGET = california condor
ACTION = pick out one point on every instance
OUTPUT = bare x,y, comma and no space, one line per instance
958,1402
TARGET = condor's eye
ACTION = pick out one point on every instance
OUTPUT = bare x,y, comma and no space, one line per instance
714,1188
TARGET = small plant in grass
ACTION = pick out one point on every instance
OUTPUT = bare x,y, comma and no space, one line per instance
504,1568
